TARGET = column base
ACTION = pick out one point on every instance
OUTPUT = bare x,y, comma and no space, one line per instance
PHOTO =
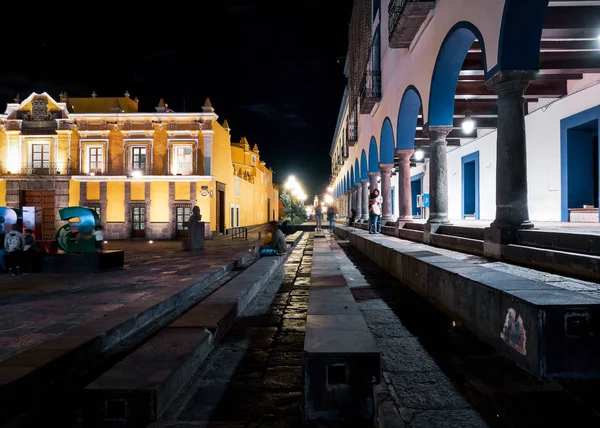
428,230
365,217
517,226
385,219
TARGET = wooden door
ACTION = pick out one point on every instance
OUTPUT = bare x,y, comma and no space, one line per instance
44,200
138,221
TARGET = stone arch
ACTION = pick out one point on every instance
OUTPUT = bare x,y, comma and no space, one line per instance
408,115
364,167
520,35
386,141
352,177
450,59
373,156
356,172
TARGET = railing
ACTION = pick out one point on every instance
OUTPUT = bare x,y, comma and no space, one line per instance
239,233
352,130
397,9
370,90
38,168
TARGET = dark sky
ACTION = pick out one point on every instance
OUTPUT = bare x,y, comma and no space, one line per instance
273,69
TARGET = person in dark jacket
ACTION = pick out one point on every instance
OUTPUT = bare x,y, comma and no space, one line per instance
277,246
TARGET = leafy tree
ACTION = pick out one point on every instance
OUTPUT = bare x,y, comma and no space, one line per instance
295,212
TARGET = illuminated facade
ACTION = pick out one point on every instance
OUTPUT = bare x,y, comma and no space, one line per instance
141,172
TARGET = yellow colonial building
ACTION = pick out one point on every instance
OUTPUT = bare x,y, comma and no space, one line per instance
142,172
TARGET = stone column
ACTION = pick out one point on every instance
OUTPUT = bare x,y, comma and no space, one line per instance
512,211
358,206
373,178
404,188
365,199
438,175
348,202
386,192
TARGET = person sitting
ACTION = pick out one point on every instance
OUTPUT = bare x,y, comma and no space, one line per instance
277,246
352,217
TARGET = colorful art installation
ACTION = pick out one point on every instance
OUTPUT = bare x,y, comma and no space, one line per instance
8,218
76,236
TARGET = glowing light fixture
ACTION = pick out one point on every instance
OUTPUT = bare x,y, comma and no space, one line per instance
468,124
328,199
419,155
150,242
13,161
330,189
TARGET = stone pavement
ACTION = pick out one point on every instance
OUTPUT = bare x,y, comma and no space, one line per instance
254,378
438,374
38,307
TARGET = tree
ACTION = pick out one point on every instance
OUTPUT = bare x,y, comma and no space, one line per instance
295,212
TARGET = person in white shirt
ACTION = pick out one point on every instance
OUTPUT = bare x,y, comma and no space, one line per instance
375,201
14,244
98,234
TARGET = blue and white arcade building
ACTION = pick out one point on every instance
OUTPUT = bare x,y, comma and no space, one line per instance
489,107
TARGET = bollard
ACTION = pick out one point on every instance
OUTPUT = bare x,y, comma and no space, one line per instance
259,236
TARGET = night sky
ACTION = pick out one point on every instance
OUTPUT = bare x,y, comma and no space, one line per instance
273,69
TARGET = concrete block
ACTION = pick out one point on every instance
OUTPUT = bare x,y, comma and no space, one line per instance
218,319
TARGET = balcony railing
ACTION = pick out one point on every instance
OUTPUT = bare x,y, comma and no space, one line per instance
405,19
370,91
352,130
182,168
38,168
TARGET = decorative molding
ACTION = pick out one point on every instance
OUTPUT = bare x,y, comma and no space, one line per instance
142,178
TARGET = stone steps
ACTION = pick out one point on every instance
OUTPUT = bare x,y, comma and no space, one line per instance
137,390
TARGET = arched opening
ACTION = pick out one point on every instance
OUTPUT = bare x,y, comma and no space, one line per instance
373,156
356,172
387,144
352,178
364,167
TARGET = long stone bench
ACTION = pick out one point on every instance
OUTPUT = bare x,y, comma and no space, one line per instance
546,330
137,390
341,359
293,239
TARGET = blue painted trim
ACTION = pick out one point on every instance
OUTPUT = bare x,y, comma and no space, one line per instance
451,56
408,115
520,34
352,177
419,176
373,156
473,157
386,142
356,171
414,178
566,124
364,166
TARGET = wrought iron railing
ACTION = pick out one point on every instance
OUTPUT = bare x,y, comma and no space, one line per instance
352,129
38,168
370,87
396,9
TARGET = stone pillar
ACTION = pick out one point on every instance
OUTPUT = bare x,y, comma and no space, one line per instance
386,192
365,199
512,211
358,193
438,175
373,184
404,188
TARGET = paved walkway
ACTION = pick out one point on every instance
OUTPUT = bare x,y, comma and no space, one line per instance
38,307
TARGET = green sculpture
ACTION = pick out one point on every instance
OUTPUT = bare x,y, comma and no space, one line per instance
76,236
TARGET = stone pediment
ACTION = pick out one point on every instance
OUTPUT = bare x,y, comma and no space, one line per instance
37,108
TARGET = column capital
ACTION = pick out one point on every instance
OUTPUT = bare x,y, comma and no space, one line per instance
357,185
386,168
437,134
373,174
404,154
511,83
364,181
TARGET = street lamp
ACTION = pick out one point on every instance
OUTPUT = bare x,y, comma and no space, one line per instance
330,189
468,124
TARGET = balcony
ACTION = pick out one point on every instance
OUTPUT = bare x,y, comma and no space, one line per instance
370,91
182,168
352,130
405,20
38,169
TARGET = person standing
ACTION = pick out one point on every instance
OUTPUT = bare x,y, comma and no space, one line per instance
98,235
319,217
375,201
331,215
14,244
27,260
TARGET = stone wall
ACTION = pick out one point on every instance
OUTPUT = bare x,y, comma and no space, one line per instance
116,231
160,231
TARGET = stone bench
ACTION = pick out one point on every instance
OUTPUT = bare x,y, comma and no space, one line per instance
293,239
546,330
341,359
138,389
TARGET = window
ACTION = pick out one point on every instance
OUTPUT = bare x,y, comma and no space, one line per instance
97,208
376,5
376,52
182,215
138,159
183,160
138,218
253,159
40,155
95,163
237,187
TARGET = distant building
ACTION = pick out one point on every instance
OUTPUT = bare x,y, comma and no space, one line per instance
142,172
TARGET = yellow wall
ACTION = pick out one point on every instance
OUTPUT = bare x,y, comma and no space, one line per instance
92,190
182,191
74,193
159,205
137,191
2,193
115,209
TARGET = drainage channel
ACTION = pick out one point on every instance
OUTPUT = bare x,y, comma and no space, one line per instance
427,358
254,377
64,410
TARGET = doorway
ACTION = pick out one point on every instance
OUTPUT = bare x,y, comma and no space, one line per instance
582,181
470,186
182,215
416,188
269,211
221,213
43,199
138,221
